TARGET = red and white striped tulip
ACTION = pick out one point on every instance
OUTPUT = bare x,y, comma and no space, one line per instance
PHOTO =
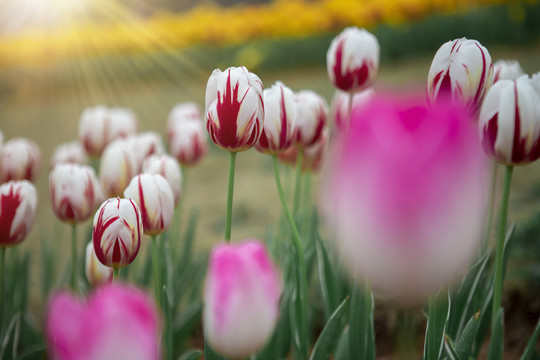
279,120
20,160
155,199
75,192
506,70
313,155
96,273
18,202
340,106
462,70
118,165
186,111
168,167
510,122
312,112
353,60
241,298
146,144
71,152
234,108
118,228
188,142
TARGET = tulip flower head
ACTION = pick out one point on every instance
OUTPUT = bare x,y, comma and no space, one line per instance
234,108
241,298
118,228
18,202
72,152
279,119
340,106
96,273
510,121
146,144
20,159
117,322
353,60
168,167
188,142
187,111
75,192
118,165
312,112
155,198
462,70
507,70
405,194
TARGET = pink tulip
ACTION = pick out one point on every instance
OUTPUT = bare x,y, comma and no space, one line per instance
20,159
117,322
188,142
241,298
117,232
168,167
18,202
405,194
96,273
311,118
72,152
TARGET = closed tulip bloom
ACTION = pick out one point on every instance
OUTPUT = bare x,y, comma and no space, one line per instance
314,155
123,123
462,70
168,167
405,194
116,322
18,202
241,298
117,232
507,70
20,160
353,59
312,111
340,106
188,142
510,122
155,198
96,273
234,108
118,165
75,192
71,152
187,111
279,119
146,144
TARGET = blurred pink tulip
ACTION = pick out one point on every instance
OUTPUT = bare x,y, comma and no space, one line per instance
72,152
96,273
20,159
168,167
241,298
117,322
18,202
188,142
311,118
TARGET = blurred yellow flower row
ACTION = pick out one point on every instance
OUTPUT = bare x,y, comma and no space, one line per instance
214,25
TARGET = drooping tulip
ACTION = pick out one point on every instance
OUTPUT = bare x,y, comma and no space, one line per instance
20,160
117,322
75,192
96,273
71,152
312,111
118,165
188,142
510,122
279,119
234,109
117,232
241,298
506,70
18,202
168,167
340,106
353,60
155,199
462,70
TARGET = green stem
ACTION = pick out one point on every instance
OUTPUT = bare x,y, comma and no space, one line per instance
116,273
74,262
297,185
498,285
230,190
155,267
489,222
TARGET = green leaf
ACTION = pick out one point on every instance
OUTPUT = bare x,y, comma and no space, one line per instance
342,349
191,355
450,350
184,324
485,321
438,314
327,279
361,333
328,338
167,328
496,345
465,342
210,354
530,351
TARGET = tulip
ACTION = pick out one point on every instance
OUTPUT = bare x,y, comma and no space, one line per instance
96,273
353,60
168,167
279,119
506,70
405,194
311,118
313,155
72,152
510,122
117,232
241,298
188,142
118,165
340,106
18,201
154,196
20,160
146,144
75,192
117,322
123,123
234,108
187,111
461,69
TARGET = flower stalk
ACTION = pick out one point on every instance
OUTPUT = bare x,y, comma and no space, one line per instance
156,270
297,184
230,190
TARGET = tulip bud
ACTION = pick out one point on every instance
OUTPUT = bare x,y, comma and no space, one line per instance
117,232
510,122
75,192
72,152
96,273
154,196
118,165
461,69
279,119
313,155
340,106
146,144
187,111
234,108
20,160
506,70
311,118
18,201
241,298
168,167
353,59
188,142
